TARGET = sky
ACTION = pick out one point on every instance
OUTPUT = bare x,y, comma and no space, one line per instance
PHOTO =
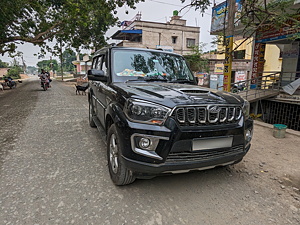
151,10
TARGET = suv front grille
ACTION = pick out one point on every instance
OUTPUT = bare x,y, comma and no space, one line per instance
203,154
206,115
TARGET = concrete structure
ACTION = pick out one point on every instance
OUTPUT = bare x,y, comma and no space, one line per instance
242,58
275,62
172,36
82,66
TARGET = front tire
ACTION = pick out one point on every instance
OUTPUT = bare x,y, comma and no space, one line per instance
119,174
44,86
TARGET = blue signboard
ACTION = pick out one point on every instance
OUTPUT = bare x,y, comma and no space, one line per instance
220,16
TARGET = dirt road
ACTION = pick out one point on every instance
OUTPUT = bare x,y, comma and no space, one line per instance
53,170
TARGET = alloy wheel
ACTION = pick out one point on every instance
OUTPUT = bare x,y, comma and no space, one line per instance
113,153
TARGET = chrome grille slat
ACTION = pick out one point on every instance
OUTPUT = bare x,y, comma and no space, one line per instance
206,115
223,114
231,112
180,115
191,114
201,114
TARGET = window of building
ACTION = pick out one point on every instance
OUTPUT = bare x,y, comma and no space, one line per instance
190,42
239,54
174,39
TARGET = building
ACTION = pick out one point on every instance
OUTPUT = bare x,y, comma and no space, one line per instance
274,66
3,71
242,59
82,66
173,36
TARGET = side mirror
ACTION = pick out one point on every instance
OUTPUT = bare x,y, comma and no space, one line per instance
96,75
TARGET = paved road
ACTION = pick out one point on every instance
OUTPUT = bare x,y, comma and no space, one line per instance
53,170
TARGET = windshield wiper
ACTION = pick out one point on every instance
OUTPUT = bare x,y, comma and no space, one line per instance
136,80
148,78
181,81
155,79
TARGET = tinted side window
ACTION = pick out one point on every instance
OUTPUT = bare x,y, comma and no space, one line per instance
98,63
103,66
94,62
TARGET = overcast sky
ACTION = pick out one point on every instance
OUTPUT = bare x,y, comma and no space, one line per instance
152,10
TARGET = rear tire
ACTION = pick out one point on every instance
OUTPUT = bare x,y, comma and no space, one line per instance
119,173
91,114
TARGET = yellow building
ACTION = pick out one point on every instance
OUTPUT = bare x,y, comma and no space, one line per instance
243,51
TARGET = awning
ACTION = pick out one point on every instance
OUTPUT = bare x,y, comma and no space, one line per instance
126,34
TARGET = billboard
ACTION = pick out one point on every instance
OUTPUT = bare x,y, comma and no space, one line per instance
220,16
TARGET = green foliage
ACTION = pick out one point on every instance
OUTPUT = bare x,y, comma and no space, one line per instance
201,5
73,23
3,64
14,72
68,56
46,65
196,61
258,14
31,70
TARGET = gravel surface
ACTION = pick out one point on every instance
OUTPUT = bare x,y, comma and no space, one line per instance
53,170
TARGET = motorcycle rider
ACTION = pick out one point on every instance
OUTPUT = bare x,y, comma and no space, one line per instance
44,76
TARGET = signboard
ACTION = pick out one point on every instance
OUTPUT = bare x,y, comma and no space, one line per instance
202,77
240,76
291,53
270,33
258,61
219,68
227,63
220,16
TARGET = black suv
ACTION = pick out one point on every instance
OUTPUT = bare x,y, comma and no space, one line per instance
157,120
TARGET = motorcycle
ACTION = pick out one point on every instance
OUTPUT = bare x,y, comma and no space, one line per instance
10,83
45,84
238,88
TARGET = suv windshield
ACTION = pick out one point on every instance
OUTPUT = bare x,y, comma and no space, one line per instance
149,66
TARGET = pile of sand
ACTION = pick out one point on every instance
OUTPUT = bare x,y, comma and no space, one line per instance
24,76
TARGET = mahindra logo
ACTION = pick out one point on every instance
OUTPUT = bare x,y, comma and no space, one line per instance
213,109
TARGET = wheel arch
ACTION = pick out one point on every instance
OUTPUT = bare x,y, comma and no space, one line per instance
114,115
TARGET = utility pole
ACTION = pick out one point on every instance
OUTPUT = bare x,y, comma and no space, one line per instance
61,62
229,33
51,66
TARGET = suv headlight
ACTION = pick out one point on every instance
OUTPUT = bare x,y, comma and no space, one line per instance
146,112
246,109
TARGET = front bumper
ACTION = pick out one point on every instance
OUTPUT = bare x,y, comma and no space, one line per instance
175,147
143,168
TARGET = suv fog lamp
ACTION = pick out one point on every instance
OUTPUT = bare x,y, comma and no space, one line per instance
144,143
248,135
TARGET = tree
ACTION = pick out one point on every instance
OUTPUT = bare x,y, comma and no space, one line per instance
14,72
31,69
196,60
3,64
76,23
257,14
68,56
46,65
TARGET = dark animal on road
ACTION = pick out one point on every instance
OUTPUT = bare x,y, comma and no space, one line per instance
82,89
20,81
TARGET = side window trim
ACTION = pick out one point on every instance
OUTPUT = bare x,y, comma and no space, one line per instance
94,63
